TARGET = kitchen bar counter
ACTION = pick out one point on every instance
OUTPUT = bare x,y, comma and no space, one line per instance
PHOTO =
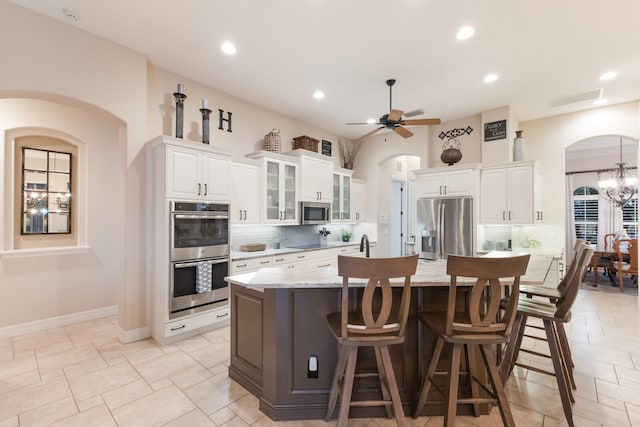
428,273
278,323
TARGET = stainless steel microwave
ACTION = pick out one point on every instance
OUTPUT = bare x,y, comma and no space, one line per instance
312,213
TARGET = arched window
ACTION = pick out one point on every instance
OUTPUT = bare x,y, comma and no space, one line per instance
585,211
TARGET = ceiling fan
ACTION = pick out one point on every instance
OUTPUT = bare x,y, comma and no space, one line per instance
394,120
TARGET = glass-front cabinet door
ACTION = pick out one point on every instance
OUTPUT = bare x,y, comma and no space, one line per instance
341,207
280,203
272,202
290,207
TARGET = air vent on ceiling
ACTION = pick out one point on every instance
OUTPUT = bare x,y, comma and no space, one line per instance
587,96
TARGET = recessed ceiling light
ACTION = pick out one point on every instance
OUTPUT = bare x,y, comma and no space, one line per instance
228,48
465,33
371,121
318,94
600,101
609,75
490,78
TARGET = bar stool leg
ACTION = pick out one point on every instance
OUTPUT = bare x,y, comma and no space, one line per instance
498,386
470,361
566,350
347,386
556,358
454,379
384,386
390,378
335,383
428,378
513,348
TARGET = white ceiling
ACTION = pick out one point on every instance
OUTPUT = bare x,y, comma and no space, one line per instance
287,49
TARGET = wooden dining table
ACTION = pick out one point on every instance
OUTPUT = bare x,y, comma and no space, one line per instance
599,252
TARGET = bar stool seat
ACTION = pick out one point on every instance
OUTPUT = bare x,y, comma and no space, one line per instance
479,328
378,322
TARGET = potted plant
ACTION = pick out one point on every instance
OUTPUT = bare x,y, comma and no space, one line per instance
346,235
348,151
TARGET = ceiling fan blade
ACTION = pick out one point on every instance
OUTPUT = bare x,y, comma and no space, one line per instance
403,132
370,133
363,123
394,115
414,112
421,122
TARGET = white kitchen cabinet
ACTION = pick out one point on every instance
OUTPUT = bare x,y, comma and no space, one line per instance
246,206
341,207
280,186
447,183
249,265
196,174
357,199
314,182
510,195
207,320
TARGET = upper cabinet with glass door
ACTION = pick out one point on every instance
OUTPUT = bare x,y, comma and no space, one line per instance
280,187
341,207
46,192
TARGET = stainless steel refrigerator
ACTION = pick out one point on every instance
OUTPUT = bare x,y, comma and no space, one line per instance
445,226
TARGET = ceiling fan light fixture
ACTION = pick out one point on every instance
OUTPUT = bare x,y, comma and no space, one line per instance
465,33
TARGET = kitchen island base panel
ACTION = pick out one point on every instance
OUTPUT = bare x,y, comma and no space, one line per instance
275,332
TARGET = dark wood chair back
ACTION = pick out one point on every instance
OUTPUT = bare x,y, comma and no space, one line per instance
485,295
574,266
571,282
376,319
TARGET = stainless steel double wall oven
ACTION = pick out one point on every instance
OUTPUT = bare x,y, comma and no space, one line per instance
199,257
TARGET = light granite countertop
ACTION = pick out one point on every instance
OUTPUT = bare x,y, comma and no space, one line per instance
239,255
428,273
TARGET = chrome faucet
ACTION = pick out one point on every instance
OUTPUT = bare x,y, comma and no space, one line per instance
364,240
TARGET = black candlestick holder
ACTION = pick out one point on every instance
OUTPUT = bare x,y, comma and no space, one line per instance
179,97
205,124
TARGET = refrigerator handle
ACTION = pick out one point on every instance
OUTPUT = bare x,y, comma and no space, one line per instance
441,231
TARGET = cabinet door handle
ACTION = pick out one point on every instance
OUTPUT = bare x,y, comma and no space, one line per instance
509,215
179,327
440,190
504,216
301,256
279,259
199,188
445,189
324,265
245,214
205,189
222,315
264,262
241,265
240,215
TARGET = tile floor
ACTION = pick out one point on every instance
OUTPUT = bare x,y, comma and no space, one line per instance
81,375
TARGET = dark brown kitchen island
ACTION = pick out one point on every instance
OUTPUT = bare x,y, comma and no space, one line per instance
278,325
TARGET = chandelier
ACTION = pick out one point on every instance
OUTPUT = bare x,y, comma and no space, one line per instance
616,185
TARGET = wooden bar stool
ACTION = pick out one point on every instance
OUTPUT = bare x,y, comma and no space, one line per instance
372,325
552,295
481,327
553,317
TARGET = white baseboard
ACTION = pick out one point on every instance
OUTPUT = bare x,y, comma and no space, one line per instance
133,334
56,322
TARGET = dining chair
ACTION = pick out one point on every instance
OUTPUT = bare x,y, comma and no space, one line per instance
553,317
378,322
626,250
480,327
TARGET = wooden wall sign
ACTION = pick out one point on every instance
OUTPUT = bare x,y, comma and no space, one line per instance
495,130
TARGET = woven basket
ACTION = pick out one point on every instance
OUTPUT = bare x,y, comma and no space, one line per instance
306,143
272,141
